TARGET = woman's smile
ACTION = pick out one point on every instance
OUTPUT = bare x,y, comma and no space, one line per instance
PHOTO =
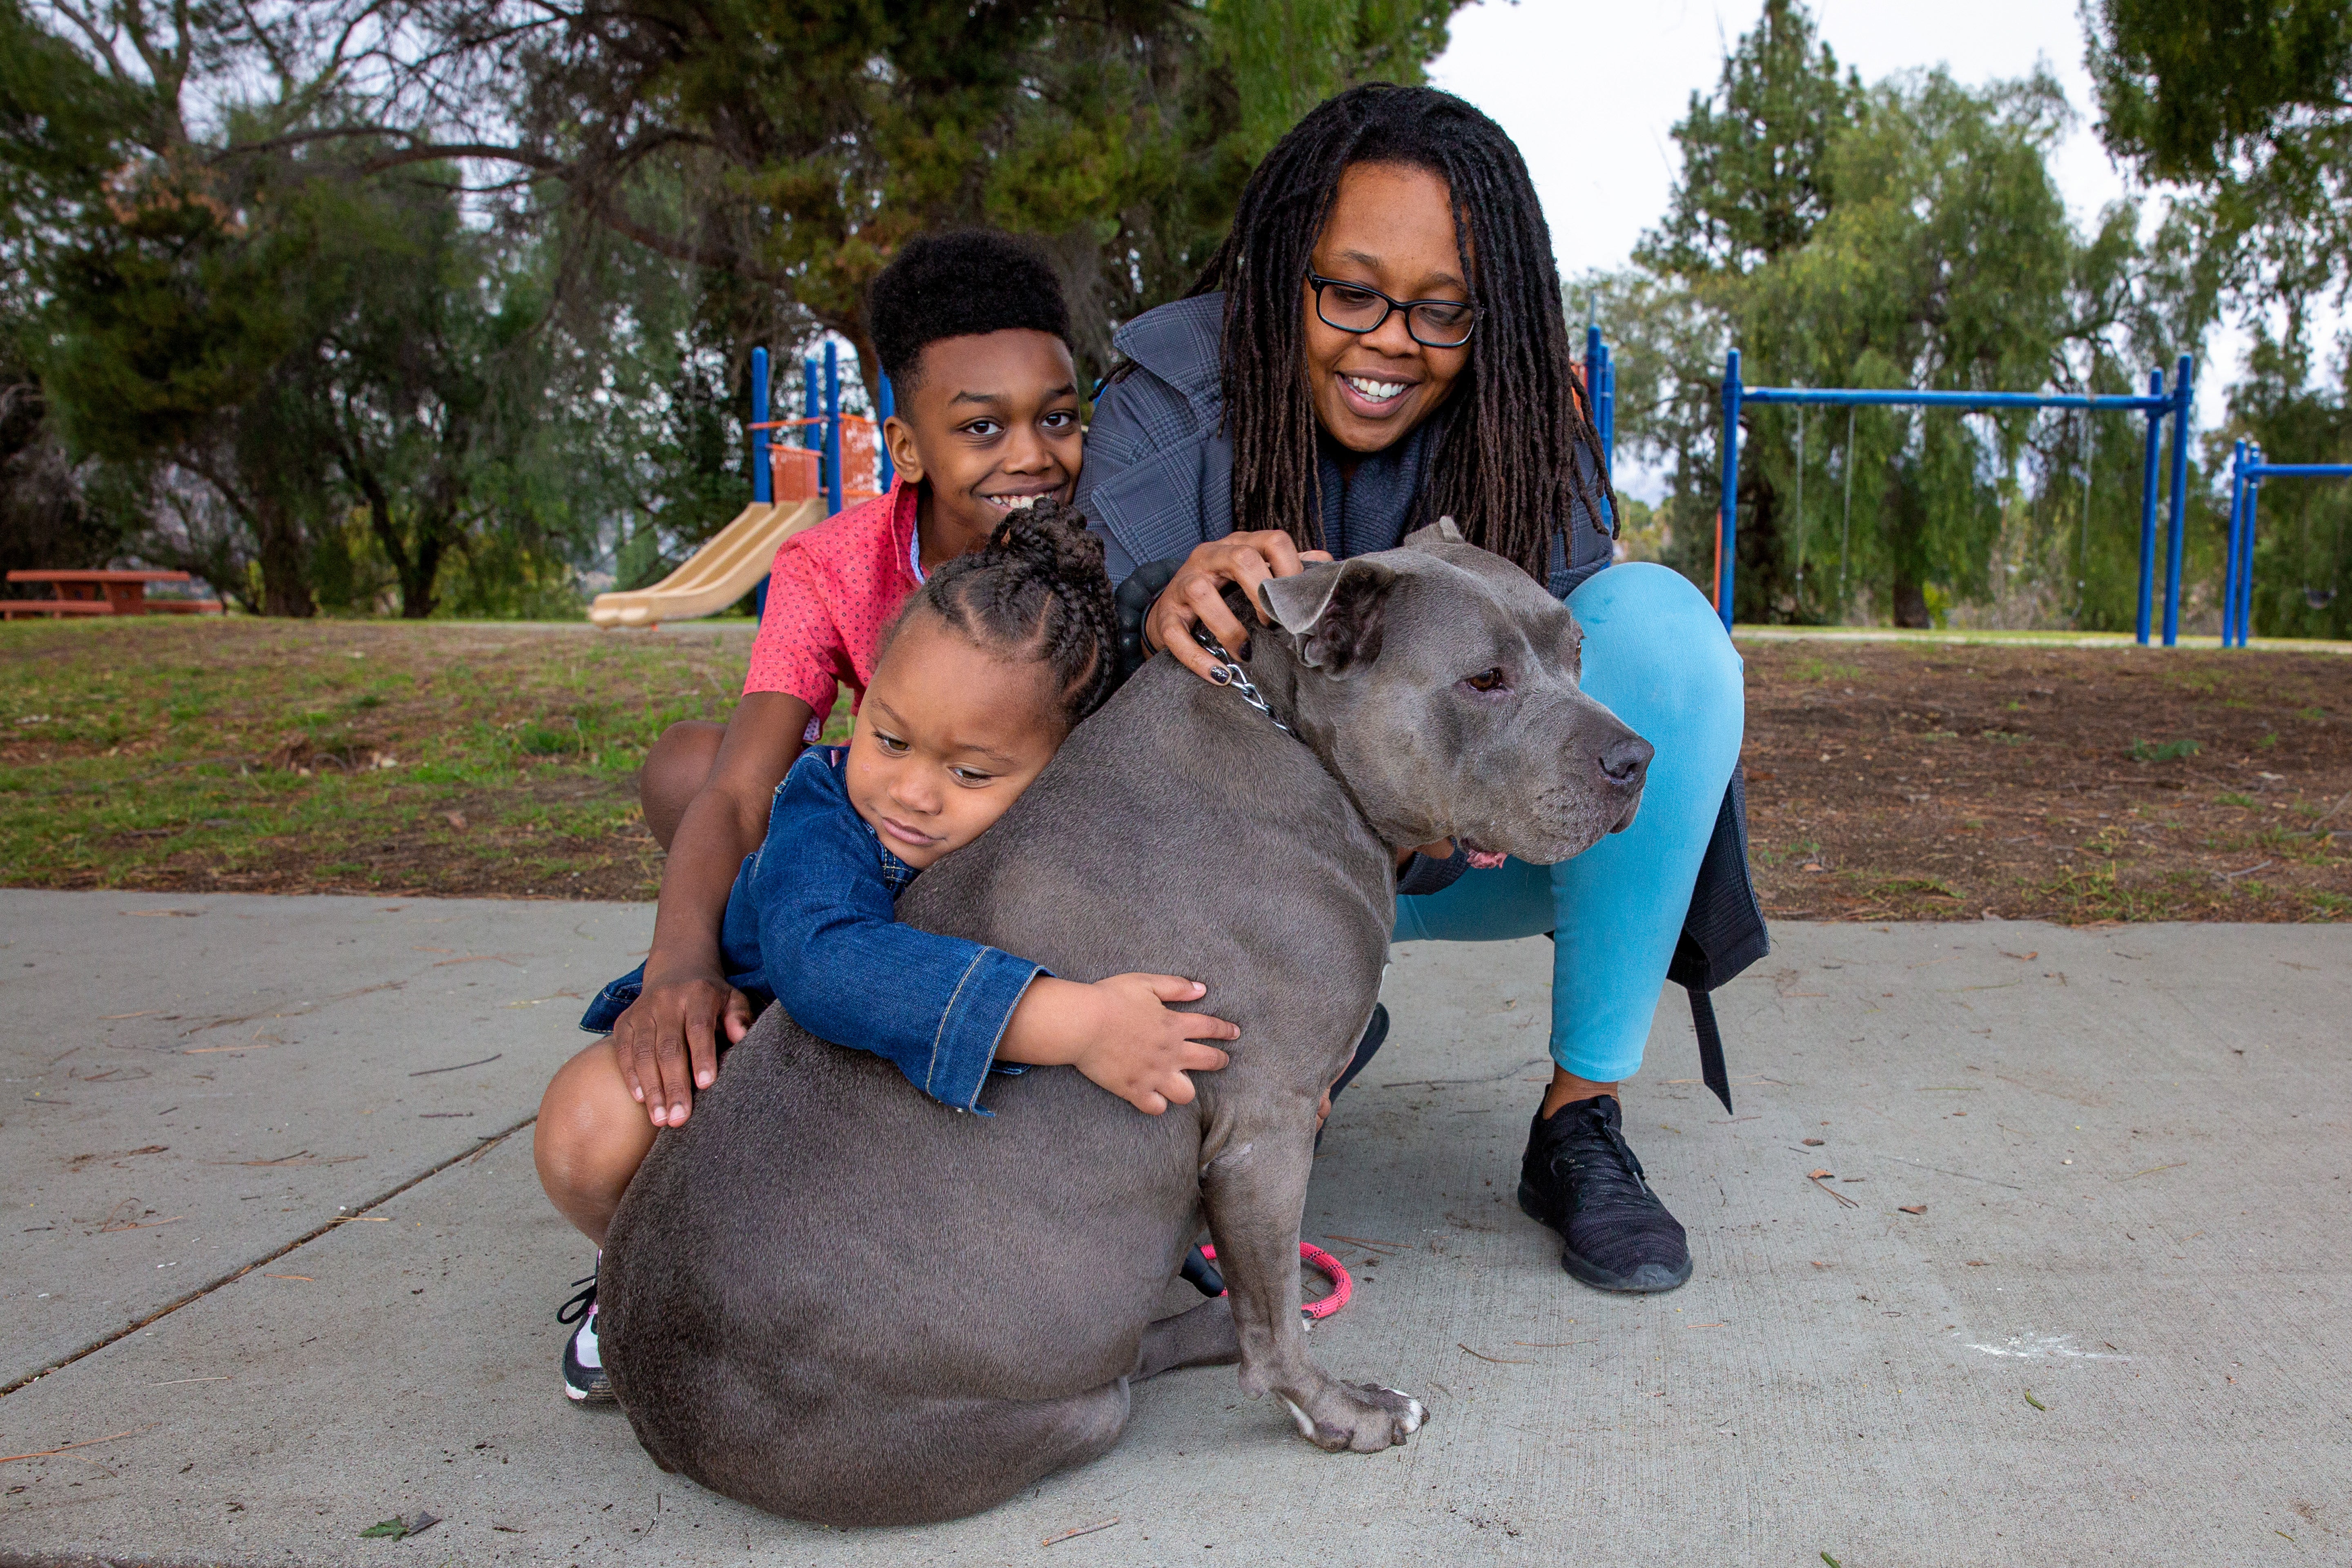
1374,397
1391,230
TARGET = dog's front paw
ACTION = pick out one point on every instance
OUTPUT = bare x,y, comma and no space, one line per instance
1361,1417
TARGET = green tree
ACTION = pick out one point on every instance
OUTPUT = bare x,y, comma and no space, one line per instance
166,289
793,147
62,128
2246,106
1908,235
428,382
1756,174
179,331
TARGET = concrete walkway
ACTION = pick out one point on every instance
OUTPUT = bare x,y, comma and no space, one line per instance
2116,1333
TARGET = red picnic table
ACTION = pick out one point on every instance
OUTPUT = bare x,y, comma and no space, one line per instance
102,593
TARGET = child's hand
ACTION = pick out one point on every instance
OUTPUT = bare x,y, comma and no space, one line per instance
1140,1049
666,1044
1121,1033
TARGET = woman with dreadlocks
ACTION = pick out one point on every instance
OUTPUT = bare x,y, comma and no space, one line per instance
1381,342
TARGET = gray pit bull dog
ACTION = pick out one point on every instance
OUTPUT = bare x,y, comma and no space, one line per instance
836,1300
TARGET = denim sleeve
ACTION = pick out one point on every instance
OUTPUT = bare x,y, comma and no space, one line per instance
847,971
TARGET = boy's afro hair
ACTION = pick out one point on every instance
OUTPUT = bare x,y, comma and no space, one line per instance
961,283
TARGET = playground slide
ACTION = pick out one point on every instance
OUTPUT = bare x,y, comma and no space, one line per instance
729,566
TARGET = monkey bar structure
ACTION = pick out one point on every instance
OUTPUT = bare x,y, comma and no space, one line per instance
2247,472
2158,404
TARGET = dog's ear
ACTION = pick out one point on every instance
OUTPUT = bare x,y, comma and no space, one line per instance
1335,611
1442,531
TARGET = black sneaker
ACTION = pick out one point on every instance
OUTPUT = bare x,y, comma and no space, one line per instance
583,1365
1580,1179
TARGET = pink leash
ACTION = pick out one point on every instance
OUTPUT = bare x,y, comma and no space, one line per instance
1323,1263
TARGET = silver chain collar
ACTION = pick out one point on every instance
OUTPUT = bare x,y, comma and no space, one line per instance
1237,679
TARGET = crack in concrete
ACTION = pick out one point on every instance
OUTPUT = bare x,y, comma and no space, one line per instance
481,1147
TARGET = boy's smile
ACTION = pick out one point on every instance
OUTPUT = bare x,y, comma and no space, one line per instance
990,422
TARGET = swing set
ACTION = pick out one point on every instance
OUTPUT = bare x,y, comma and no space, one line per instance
2247,472
2157,403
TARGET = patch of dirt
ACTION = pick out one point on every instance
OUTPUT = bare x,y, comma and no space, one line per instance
1886,780
478,844
2075,784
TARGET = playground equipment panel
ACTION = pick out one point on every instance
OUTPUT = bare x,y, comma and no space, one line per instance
837,461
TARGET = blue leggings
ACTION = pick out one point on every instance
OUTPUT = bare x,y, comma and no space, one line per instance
1656,655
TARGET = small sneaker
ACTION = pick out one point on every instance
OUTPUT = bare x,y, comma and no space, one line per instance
584,1366
1580,1179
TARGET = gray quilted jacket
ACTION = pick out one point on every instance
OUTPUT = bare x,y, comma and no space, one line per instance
1159,474
1158,479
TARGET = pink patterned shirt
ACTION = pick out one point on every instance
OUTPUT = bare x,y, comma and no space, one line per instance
832,591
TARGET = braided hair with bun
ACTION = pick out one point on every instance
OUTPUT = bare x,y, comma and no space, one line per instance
1036,588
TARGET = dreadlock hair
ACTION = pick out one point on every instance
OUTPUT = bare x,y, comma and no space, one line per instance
1522,459
961,283
1037,588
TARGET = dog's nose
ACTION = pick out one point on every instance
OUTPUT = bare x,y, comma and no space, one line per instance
1625,762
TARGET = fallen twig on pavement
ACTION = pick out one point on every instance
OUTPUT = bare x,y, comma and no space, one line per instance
1081,1530
455,1066
86,1443
1843,1201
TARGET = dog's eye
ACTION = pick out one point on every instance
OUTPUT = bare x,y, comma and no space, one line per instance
1485,680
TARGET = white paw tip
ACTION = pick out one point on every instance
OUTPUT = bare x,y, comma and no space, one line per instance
1306,1426
1414,1413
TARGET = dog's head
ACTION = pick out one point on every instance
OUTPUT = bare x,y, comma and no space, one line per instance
1440,684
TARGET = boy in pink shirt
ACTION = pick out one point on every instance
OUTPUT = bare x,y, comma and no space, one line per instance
972,329
830,594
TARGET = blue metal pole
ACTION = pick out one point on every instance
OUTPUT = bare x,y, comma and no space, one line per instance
763,482
812,436
831,428
2242,540
2176,528
1871,396
1609,406
2230,548
2148,511
1592,350
1727,542
885,404
2246,572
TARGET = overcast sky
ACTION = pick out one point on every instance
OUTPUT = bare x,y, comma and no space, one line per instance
1590,92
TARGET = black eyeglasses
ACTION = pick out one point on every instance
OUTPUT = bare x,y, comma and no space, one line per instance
1353,308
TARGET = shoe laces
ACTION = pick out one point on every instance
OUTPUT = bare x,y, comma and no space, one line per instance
580,1306
1596,1159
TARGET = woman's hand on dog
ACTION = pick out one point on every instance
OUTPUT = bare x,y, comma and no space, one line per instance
666,1044
1196,595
